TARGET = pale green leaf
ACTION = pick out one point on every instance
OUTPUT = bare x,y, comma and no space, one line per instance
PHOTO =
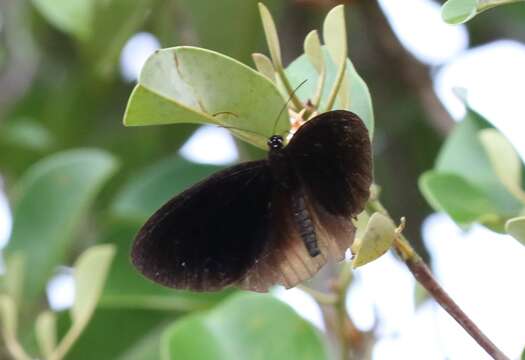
90,272
361,101
192,85
313,50
46,332
334,34
516,228
8,312
376,241
459,11
70,16
504,160
464,155
272,38
14,275
246,326
463,201
52,197
264,65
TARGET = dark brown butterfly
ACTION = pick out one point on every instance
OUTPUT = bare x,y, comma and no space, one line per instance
266,222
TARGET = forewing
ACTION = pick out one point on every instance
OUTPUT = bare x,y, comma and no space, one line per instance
333,159
208,237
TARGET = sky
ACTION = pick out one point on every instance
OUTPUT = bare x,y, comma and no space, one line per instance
483,271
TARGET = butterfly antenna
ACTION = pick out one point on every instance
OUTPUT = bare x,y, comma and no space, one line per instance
246,130
285,106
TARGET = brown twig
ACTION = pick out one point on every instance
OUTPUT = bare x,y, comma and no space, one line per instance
424,276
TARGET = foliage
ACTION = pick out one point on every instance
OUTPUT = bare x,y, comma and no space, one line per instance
460,11
81,184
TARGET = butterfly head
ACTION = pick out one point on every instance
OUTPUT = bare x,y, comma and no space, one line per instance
275,142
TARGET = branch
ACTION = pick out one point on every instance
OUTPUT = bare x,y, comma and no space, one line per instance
424,276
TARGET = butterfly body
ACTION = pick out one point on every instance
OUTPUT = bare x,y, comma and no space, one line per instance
266,222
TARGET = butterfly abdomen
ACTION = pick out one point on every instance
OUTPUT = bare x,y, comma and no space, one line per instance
303,221
283,174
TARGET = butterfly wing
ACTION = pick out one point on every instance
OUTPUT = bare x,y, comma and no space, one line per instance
210,235
332,156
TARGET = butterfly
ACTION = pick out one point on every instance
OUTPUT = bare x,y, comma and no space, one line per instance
264,222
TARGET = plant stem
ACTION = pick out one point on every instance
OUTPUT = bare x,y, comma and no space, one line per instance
424,276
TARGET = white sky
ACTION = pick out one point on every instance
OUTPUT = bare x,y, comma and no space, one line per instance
483,271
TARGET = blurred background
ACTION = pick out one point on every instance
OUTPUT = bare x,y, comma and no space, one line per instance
64,84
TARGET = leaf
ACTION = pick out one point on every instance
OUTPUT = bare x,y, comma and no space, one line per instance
516,228
90,272
53,195
334,34
70,16
464,155
361,101
8,313
46,332
190,85
149,190
272,39
26,133
459,11
117,332
14,276
504,160
246,326
314,51
463,201
121,19
264,66
376,241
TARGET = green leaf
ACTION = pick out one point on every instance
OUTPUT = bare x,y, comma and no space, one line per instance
314,51
334,35
376,241
190,85
149,190
504,159
46,332
14,276
117,332
464,155
459,11
121,19
8,313
264,66
26,133
90,272
53,195
246,326
359,97
516,228
272,38
463,201
70,16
